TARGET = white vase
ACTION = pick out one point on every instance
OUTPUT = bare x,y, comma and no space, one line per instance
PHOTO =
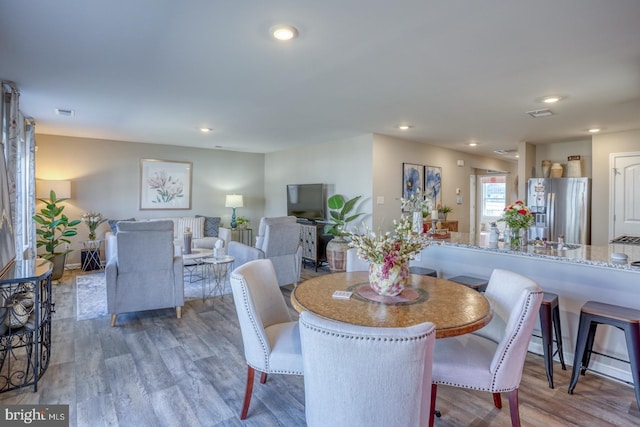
390,283
416,222
556,170
546,168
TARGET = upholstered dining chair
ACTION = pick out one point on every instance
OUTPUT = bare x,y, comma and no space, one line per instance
492,358
271,338
354,262
366,376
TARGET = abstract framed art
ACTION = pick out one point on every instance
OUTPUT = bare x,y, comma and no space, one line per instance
432,185
412,179
165,184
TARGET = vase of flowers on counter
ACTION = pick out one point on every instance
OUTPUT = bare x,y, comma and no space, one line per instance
518,218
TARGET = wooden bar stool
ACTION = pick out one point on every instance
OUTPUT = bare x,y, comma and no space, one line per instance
550,321
479,284
423,271
593,314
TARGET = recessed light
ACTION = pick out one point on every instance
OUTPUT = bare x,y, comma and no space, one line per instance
283,32
551,99
473,144
404,127
206,130
594,130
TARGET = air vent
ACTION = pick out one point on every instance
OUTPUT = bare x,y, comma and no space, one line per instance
540,113
506,152
65,112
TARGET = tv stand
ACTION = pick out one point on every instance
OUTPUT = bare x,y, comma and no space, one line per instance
313,244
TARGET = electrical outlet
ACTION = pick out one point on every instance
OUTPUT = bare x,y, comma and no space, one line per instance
380,200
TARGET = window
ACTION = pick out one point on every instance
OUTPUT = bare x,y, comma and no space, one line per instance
493,195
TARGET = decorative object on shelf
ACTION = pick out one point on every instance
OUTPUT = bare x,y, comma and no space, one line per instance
53,230
234,201
556,170
165,184
445,210
546,168
519,218
18,309
186,241
391,252
339,217
574,167
93,220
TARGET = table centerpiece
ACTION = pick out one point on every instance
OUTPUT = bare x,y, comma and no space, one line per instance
518,218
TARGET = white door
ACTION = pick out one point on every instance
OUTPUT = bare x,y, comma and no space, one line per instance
626,194
490,200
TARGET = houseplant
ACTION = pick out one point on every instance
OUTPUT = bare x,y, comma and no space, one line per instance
93,220
53,230
518,218
340,216
445,210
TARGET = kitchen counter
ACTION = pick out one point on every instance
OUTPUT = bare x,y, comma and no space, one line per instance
597,256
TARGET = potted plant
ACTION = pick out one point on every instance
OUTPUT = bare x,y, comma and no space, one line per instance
445,210
53,230
340,216
242,222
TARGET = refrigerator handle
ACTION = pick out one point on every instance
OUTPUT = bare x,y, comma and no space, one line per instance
551,216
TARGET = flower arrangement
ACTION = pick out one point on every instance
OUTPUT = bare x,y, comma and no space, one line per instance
517,216
93,220
417,202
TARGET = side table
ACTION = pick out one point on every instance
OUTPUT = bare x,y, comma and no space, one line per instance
242,235
193,261
91,255
218,272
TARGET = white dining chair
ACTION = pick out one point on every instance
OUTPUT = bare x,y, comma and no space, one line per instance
492,358
271,338
354,262
360,376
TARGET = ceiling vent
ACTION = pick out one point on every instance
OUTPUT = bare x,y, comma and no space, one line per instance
540,113
65,112
506,152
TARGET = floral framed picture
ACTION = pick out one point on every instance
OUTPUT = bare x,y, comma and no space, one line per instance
433,184
412,180
165,184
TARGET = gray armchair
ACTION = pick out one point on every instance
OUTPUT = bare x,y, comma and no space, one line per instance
142,272
278,239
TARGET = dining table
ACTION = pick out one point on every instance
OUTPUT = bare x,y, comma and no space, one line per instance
453,308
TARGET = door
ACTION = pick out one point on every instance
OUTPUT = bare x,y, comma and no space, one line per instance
626,191
491,199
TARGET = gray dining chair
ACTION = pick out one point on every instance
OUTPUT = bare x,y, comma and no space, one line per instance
361,376
492,358
270,337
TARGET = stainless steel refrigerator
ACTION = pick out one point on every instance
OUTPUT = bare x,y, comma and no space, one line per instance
560,206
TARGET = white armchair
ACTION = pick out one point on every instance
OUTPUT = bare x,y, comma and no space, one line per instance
492,358
278,239
361,376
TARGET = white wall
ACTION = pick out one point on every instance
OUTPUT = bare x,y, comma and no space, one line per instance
345,166
105,178
558,152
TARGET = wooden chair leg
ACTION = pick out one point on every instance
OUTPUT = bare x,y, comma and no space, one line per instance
247,393
432,413
114,317
513,408
263,378
497,400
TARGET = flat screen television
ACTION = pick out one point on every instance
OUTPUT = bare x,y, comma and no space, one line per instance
306,201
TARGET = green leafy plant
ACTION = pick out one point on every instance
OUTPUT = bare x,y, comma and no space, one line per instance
242,222
339,210
54,227
445,210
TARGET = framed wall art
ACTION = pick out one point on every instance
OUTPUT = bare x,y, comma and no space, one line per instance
165,184
432,185
412,179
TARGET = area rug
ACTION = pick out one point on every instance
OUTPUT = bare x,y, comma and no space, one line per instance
91,291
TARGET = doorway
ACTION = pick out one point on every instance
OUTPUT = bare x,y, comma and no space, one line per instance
625,218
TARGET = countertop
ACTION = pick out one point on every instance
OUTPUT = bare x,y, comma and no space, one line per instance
599,256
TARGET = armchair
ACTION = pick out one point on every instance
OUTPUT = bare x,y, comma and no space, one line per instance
142,272
278,239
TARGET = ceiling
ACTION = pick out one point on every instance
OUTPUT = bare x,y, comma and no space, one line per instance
457,71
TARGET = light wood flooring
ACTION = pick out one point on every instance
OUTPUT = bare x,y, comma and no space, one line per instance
155,370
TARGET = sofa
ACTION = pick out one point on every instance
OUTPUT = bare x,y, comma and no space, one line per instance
206,231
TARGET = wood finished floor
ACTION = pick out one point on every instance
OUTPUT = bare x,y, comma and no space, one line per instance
155,370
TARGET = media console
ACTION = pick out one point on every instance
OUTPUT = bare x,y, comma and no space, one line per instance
313,242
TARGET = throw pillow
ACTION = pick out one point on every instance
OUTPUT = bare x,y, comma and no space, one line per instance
211,225
113,223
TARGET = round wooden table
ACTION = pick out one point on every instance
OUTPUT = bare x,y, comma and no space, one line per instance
454,309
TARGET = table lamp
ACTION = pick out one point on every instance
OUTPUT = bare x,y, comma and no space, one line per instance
233,201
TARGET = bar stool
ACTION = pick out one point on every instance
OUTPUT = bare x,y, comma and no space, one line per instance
423,271
550,321
593,314
479,284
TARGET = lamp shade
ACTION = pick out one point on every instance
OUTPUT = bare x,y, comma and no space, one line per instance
44,187
233,201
